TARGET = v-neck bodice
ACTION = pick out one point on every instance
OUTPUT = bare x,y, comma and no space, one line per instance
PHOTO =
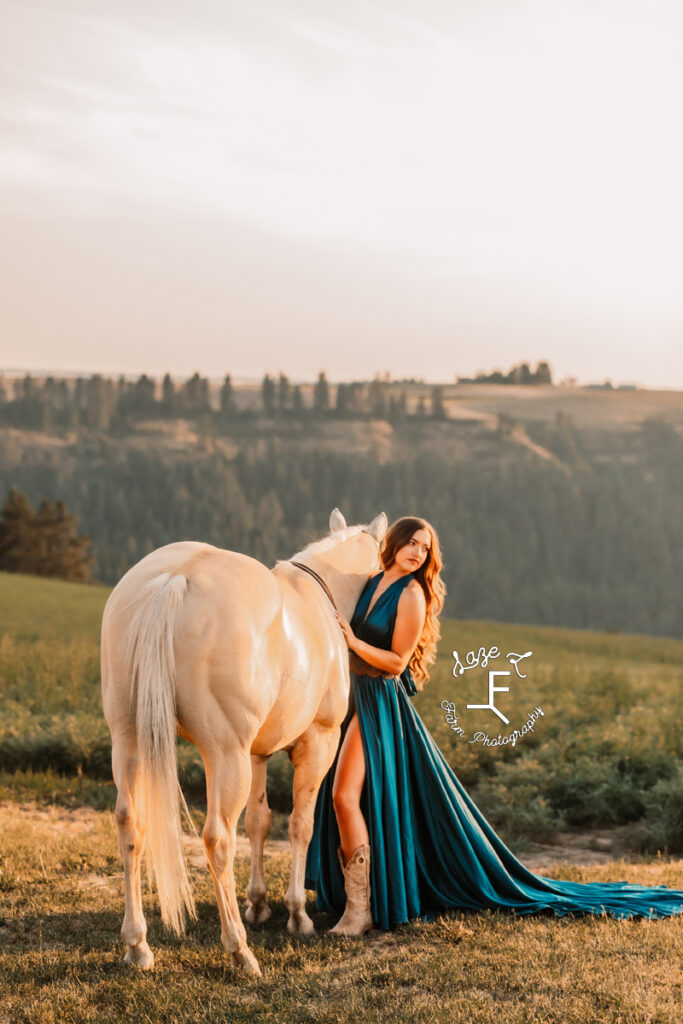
364,614
374,584
376,625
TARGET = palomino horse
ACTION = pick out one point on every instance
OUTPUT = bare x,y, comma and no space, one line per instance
243,661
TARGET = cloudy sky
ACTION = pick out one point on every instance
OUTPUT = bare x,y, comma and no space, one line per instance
429,187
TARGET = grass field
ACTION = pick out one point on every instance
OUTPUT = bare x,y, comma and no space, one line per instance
605,752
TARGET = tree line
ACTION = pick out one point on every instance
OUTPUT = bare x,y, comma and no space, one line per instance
42,542
521,373
109,405
577,541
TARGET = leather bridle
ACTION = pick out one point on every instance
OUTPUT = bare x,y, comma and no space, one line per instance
314,574
321,581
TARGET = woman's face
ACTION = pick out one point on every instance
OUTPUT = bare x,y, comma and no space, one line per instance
412,555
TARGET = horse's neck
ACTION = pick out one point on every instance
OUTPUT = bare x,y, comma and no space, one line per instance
343,587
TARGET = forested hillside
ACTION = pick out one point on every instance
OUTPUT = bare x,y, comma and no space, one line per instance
542,518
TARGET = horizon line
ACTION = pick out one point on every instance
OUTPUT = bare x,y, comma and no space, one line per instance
245,379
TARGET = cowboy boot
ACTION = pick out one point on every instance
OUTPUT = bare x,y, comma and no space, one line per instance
357,917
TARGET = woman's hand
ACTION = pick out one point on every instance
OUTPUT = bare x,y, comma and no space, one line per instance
349,634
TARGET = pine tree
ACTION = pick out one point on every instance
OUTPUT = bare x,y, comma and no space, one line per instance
144,400
168,399
196,394
321,393
543,373
228,404
16,537
268,395
283,391
44,543
58,550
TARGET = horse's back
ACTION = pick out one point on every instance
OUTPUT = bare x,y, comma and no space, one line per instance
223,592
204,566
252,652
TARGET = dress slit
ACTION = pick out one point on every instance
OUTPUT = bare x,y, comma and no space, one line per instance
431,848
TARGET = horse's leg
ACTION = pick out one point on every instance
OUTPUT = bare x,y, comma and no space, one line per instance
228,779
257,822
131,838
311,755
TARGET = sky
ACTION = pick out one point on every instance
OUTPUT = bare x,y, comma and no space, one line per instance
425,188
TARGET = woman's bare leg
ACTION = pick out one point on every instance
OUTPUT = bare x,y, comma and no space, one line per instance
346,791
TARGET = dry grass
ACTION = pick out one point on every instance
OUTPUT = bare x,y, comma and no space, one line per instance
61,893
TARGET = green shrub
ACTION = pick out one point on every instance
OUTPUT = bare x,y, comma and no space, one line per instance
662,828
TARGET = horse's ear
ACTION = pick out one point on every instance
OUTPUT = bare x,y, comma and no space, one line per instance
378,527
337,521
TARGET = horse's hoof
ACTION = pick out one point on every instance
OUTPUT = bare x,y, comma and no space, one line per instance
140,956
257,915
300,924
246,961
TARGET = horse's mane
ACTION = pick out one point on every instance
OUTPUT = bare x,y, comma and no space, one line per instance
318,547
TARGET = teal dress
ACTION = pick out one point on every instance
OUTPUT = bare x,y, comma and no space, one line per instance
431,848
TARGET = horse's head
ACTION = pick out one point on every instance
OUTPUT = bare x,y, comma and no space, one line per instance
347,551
344,559
355,549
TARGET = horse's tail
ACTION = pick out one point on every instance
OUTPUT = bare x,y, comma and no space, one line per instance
150,665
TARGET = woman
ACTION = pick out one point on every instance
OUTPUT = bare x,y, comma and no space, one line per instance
396,837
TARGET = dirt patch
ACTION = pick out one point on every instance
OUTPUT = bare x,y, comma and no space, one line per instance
598,846
105,883
194,849
77,819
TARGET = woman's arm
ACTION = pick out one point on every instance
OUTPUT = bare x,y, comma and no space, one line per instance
410,618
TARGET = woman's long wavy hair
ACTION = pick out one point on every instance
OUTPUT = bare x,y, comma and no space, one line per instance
434,588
